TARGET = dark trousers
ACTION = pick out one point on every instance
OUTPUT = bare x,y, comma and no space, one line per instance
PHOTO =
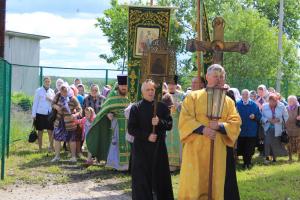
260,139
231,189
246,148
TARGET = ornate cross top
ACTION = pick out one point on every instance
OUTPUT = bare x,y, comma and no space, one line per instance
217,46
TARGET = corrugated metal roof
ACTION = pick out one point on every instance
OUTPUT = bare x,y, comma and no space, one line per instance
26,35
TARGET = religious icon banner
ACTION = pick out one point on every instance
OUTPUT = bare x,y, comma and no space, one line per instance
145,25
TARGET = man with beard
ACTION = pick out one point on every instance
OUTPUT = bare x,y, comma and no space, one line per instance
106,138
151,177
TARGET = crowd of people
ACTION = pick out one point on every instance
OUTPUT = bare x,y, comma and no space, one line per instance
151,139
75,110
265,117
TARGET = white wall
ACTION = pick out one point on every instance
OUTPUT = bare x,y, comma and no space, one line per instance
25,51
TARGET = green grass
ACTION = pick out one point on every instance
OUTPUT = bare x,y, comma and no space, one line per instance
26,164
280,181
275,181
20,125
22,100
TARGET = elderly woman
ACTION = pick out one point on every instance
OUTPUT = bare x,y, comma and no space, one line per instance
106,90
273,114
261,99
58,83
236,92
250,115
68,109
262,94
94,99
293,130
253,95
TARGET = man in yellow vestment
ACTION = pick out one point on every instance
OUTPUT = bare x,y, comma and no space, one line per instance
196,131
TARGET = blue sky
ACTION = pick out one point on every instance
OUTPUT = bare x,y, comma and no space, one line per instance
74,40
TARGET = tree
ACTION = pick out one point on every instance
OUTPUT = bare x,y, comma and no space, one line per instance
260,64
266,8
270,9
245,20
262,59
114,25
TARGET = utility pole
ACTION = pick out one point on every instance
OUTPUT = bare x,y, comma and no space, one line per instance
280,27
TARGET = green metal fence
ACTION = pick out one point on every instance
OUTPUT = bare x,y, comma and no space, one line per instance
5,93
16,99
45,70
23,91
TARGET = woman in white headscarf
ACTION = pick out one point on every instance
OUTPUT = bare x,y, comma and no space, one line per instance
262,96
236,92
59,82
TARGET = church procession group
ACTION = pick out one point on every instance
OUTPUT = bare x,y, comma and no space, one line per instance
199,132
151,138
181,139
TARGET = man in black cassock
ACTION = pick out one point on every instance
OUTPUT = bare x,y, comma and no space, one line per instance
150,166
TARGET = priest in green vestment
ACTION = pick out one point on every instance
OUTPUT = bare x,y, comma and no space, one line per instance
106,138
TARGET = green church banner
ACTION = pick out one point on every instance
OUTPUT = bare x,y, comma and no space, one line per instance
145,25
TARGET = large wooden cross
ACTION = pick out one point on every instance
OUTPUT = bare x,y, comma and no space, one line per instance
217,46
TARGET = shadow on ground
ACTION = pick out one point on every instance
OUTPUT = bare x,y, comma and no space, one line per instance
112,197
123,185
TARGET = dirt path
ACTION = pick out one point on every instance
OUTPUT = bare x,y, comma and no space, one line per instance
84,190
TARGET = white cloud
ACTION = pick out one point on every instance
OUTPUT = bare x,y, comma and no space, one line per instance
74,42
49,51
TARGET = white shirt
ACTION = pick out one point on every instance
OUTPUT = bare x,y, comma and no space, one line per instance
42,101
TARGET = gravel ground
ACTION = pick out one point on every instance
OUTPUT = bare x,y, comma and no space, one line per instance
84,190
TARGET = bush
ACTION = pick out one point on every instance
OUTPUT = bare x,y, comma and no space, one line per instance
22,100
